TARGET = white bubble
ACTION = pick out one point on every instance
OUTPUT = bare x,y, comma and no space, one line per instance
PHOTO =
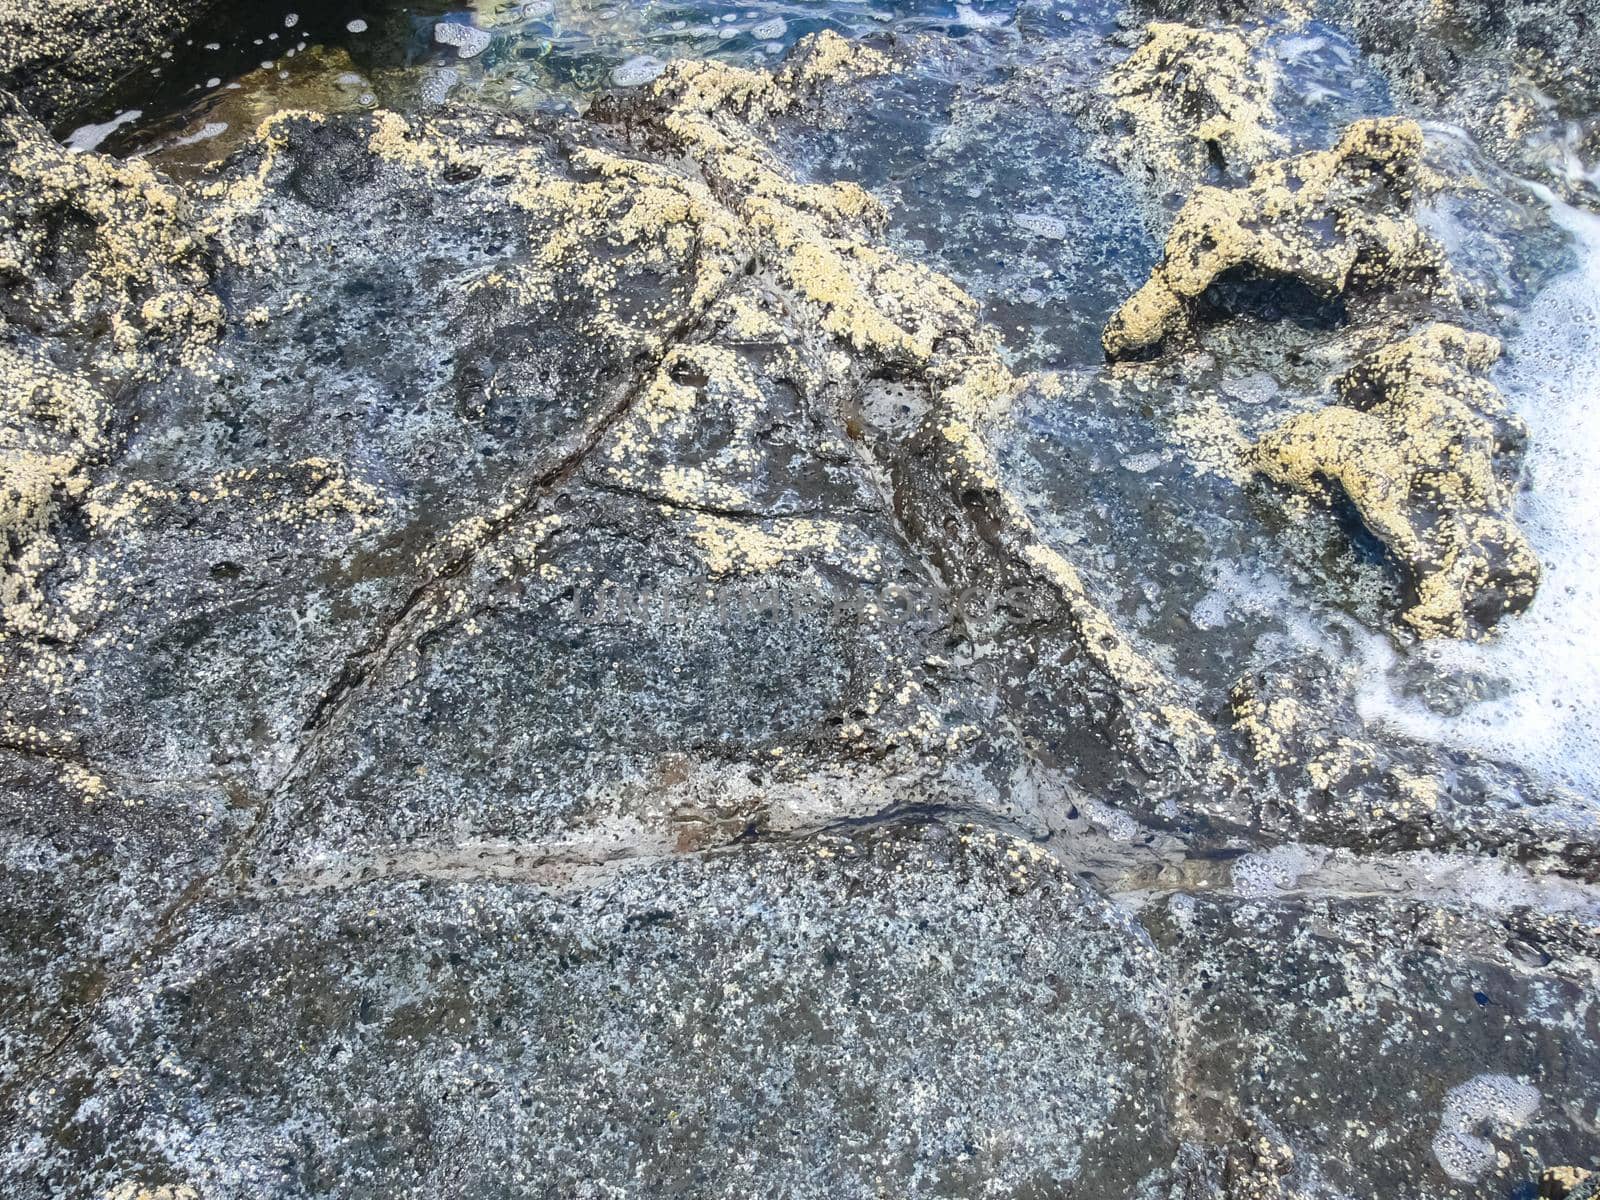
1545,715
1116,824
357,26
1272,872
212,129
1042,225
88,137
974,19
770,30
1499,1102
291,20
437,85
638,70
1142,464
469,40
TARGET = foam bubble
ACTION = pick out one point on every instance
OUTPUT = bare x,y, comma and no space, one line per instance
88,137
769,30
357,26
436,86
973,19
637,71
1042,225
1272,872
1499,1102
1117,825
468,40
211,129
1545,711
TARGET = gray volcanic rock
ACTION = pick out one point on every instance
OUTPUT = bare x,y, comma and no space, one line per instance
1503,70
936,1013
547,656
1382,1039
90,869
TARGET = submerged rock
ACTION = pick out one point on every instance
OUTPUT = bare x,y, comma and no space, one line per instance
1419,443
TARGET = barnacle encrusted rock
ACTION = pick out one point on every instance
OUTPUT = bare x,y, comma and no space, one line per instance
1420,443
1522,75
59,54
105,278
1568,1183
578,525
1332,220
901,320
1189,95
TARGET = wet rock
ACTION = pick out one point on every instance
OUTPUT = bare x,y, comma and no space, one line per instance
93,863
1338,782
1523,76
1187,99
889,1010
1329,221
566,531
1420,443
57,55
107,283
1567,1183
1342,1031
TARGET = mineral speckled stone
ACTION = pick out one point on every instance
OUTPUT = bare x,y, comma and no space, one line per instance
946,1010
636,602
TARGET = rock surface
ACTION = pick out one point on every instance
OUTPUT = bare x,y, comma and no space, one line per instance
58,55
1331,221
1416,443
549,654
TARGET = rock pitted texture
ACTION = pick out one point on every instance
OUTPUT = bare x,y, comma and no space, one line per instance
542,671
1418,442
1333,221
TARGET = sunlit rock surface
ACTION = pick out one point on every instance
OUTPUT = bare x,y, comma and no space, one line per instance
599,623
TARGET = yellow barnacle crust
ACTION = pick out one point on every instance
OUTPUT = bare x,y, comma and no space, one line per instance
707,204
140,298
1329,219
1416,442
1186,94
